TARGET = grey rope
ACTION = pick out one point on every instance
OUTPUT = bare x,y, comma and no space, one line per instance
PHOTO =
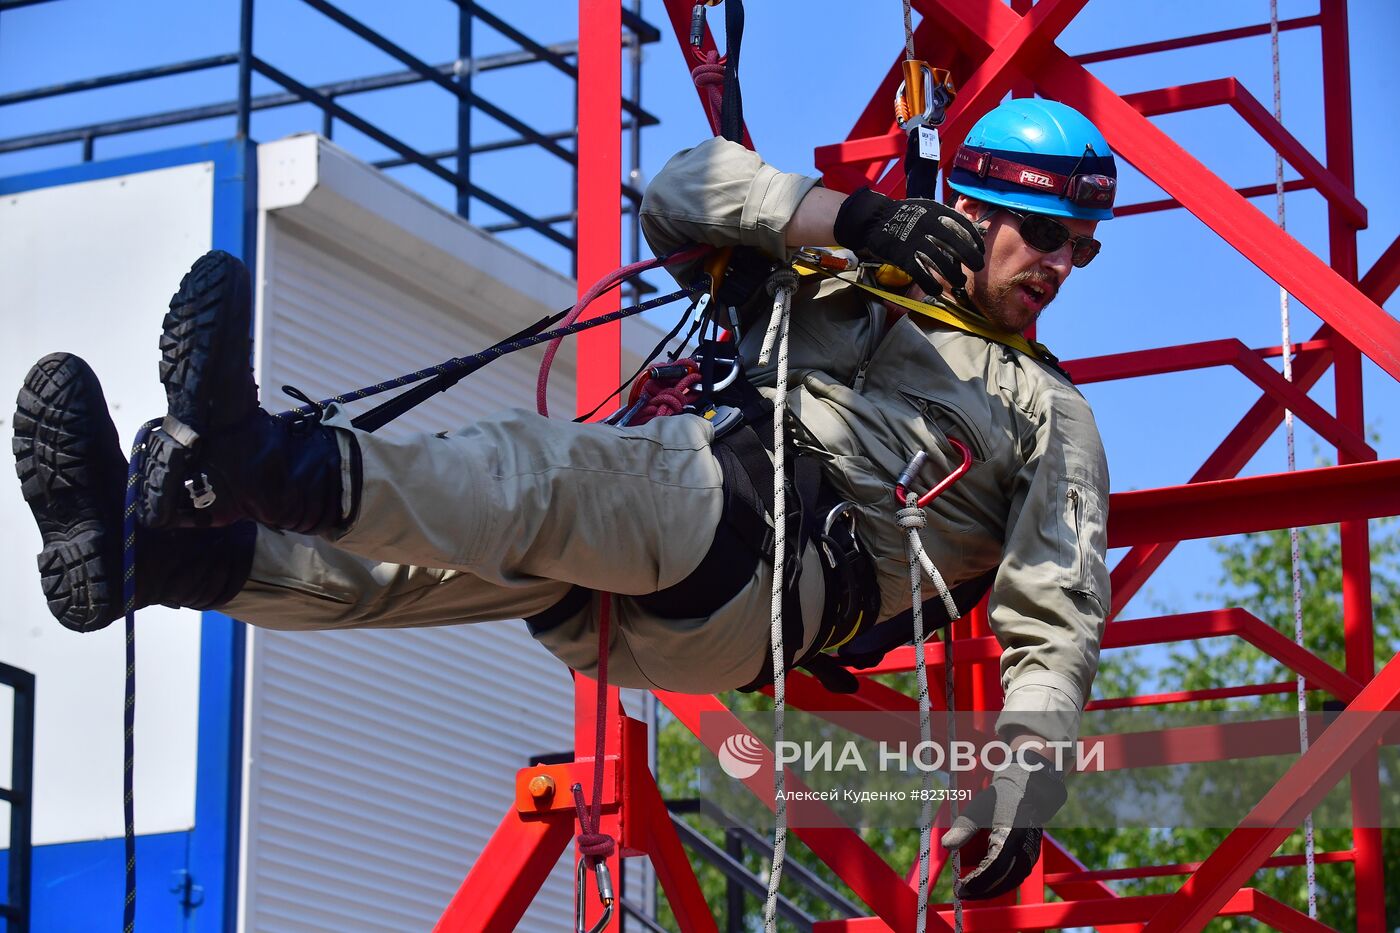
780,285
908,30
911,519
1295,557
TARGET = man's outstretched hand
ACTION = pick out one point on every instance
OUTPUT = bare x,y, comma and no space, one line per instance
922,237
1012,811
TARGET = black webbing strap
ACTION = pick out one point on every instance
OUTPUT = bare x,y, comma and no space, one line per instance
920,174
869,647
742,538
731,111
571,605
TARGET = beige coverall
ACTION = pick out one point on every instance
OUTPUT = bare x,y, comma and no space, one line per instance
500,519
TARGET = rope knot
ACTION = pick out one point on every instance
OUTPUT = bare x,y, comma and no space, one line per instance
591,843
596,845
784,279
709,71
911,517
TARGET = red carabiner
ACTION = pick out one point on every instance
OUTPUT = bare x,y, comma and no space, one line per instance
917,462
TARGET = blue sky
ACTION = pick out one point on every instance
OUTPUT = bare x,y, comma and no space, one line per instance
809,68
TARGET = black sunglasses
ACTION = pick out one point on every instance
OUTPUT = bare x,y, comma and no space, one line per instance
1047,235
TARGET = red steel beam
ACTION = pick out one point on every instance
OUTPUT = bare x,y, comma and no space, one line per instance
1093,912
1186,868
1186,42
860,867
933,45
1059,862
599,367
1258,503
1384,277
1215,203
679,12
1242,443
1191,626
1134,364
505,878
1194,696
1357,615
1253,191
1017,50
1229,91
1227,352
1331,755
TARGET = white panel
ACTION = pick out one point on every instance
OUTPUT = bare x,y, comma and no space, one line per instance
88,268
381,761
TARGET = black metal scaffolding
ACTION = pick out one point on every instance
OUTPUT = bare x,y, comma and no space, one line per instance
452,166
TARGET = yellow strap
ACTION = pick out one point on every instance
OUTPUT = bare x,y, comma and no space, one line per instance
953,317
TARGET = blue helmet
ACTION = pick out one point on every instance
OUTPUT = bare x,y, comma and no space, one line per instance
1040,156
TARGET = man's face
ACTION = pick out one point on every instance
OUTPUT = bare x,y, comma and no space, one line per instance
1018,280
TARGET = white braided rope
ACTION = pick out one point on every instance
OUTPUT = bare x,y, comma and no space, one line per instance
1295,557
911,519
781,287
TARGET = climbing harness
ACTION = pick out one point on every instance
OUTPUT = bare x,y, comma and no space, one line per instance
1295,557
911,518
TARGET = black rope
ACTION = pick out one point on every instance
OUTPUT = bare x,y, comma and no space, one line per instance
133,479
655,352
450,371
461,366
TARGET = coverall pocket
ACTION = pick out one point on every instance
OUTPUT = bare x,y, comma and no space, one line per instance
949,419
1080,532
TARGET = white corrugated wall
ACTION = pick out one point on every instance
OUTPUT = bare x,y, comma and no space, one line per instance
379,762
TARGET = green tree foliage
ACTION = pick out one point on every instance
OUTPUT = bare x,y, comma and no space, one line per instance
1255,574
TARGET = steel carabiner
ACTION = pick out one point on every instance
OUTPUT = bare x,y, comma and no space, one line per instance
605,895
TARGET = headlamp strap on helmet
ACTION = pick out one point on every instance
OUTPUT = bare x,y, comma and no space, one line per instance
1086,190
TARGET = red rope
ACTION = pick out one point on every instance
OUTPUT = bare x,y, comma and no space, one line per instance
665,397
595,845
600,287
709,78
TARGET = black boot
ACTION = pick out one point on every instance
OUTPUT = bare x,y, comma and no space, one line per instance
218,457
73,474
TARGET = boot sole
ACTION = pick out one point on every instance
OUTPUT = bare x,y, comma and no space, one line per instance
66,453
210,311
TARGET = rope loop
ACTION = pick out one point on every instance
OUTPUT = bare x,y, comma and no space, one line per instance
591,843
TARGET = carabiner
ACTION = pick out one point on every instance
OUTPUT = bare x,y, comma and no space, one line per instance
916,463
605,895
697,22
923,96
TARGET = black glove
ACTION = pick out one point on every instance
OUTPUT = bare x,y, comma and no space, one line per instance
1013,810
919,236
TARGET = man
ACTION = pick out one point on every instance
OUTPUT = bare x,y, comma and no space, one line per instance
310,524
